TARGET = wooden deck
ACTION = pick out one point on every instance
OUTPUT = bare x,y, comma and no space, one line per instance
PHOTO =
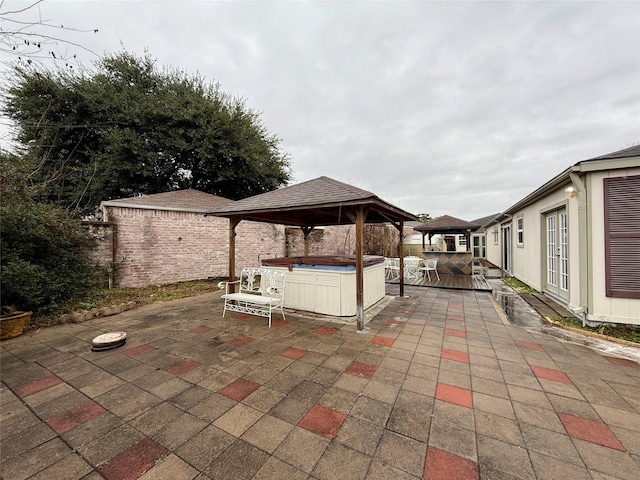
448,280
546,306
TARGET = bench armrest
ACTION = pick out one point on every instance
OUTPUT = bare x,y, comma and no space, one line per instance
225,285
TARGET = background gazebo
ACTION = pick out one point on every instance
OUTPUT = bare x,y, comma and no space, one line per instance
450,262
446,225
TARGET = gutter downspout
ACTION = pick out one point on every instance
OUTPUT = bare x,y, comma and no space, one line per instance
583,245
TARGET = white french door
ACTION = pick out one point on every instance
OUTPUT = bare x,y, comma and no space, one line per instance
557,253
479,246
506,247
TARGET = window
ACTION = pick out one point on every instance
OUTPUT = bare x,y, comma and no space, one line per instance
496,235
462,240
520,230
622,236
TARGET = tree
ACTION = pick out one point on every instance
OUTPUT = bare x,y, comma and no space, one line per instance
424,217
126,128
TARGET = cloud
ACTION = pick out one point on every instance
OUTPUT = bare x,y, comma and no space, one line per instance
458,108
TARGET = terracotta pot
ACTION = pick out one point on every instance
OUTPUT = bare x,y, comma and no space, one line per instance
13,325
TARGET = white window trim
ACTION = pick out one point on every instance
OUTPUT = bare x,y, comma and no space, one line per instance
520,230
496,236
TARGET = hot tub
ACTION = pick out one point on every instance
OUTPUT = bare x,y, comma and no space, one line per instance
327,284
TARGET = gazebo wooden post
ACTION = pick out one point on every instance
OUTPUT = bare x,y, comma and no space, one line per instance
233,223
306,230
360,218
401,256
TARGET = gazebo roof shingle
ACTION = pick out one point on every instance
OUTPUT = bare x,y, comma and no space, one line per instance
321,201
446,223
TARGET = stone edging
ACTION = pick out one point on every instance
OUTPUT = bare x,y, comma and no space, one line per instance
593,334
80,317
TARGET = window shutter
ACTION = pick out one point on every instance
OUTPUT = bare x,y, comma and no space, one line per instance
622,236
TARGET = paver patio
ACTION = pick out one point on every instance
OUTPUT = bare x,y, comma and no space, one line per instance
439,387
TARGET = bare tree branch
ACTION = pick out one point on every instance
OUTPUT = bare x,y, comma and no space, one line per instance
26,42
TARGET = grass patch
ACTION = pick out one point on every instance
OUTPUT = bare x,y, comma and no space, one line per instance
630,333
146,295
105,297
518,286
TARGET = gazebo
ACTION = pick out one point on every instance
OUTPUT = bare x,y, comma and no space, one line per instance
446,225
314,203
450,262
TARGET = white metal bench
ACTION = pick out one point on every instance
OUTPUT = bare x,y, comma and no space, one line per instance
261,292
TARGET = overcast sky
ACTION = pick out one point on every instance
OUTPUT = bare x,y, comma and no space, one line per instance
458,108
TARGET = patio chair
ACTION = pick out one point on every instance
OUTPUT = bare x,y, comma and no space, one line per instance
430,265
391,268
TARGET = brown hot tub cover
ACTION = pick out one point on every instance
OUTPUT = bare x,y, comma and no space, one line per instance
327,260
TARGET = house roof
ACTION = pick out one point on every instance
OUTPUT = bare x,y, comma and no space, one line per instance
633,151
484,221
412,224
625,158
321,201
188,200
445,224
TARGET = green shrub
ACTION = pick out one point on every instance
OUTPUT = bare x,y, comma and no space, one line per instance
44,255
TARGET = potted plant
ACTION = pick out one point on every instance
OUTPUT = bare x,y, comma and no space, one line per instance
13,322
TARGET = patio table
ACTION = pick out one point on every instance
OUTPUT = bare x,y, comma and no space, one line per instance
412,267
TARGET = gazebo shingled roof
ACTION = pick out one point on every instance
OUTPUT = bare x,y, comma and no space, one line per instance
446,224
321,201
318,202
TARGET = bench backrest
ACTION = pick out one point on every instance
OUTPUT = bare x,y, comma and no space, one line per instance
263,281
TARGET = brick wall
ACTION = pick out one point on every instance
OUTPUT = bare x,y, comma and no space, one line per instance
254,240
160,247
155,247
332,240
103,232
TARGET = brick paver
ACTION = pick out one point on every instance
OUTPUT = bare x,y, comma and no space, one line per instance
63,422
37,386
293,353
437,387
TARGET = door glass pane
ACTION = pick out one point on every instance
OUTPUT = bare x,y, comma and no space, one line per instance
476,246
552,268
564,251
